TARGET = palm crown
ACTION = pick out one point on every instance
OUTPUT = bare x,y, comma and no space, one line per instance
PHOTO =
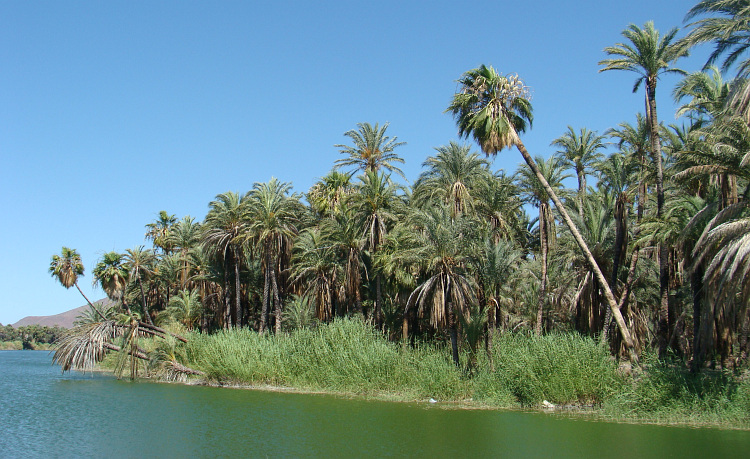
492,108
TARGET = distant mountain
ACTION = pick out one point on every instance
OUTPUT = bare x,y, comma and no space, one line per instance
64,319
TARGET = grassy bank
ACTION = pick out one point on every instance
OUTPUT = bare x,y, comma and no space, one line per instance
521,371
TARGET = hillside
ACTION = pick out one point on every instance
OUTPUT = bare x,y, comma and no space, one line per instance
64,319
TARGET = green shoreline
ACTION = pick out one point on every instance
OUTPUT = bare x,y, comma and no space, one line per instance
349,359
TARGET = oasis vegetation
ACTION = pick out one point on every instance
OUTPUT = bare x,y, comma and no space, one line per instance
628,293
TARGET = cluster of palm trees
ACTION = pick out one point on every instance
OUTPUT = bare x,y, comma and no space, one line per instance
656,254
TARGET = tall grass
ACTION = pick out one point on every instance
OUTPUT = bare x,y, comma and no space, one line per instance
345,356
349,356
559,368
668,393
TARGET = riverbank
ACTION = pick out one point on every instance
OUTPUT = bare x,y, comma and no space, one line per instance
348,358
18,346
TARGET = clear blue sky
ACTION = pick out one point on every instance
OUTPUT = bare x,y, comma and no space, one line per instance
112,111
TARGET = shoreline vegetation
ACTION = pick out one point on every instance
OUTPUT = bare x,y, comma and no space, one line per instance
628,293
350,358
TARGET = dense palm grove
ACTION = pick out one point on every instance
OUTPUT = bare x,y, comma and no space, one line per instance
649,251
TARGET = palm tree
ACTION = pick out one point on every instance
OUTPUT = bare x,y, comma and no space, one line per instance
372,150
327,196
499,205
580,152
723,249
158,231
451,177
730,31
443,248
272,219
707,95
617,174
726,23
140,264
112,275
344,234
67,268
184,237
649,55
535,193
374,205
495,264
314,268
224,231
494,109
596,227
185,308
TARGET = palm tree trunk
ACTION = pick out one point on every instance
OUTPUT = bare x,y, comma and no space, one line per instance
663,331
696,285
143,303
620,248
543,239
624,331
581,190
266,287
227,299
378,300
237,289
277,302
454,334
89,302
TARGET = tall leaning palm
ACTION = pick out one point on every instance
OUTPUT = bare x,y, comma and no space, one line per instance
67,268
650,55
494,109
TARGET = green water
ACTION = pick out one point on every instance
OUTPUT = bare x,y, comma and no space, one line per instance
44,413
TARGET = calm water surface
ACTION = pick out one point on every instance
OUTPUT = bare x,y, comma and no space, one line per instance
44,413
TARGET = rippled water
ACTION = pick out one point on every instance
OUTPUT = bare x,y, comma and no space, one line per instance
44,413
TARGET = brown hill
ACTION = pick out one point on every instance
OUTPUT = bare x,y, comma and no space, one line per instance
64,319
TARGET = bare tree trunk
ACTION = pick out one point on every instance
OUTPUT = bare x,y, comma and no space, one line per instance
622,326
237,288
266,286
454,334
543,239
277,301
227,299
378,301
492,307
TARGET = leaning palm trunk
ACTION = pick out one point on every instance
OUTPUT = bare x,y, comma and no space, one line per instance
622,326
98,312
